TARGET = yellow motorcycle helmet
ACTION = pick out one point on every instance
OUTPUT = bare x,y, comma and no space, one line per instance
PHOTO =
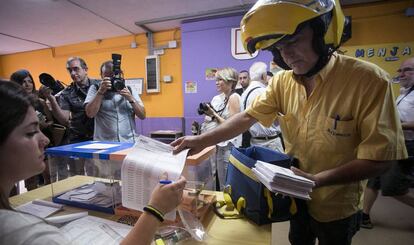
269,21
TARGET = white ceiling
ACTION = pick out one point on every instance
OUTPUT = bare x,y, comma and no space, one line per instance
27,25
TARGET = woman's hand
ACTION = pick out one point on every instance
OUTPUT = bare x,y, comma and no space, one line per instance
210,112
167,197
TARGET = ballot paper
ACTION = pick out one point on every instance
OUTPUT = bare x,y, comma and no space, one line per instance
142,168
282,180
93,230
58,220
40,208
98,193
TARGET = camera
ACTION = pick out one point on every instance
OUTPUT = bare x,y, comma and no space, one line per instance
117,81
202,108
47,80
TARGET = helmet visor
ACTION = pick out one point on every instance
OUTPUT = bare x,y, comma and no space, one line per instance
318,6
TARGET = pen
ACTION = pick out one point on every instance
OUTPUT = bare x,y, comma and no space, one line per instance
165,182
337,118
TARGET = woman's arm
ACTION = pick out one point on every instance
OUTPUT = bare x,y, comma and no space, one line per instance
164,198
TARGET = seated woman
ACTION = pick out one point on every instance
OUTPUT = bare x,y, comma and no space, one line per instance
22,147
223,106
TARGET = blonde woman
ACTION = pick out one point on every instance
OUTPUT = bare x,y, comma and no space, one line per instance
223,106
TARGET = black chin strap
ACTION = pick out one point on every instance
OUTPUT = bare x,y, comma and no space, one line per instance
409,91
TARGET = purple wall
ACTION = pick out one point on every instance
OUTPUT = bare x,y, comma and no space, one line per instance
206,44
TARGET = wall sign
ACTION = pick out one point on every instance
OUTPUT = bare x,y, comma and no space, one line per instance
135,84
152,67
237,50
388,56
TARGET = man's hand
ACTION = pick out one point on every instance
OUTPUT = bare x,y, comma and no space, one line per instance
105,85
194,143
126,94
45,92
306,175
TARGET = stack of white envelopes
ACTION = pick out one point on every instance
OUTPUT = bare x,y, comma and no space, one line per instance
283,180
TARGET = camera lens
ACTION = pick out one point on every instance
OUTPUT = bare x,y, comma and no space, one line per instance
202,108
118,85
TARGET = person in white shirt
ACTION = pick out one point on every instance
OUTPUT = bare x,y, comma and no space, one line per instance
395,182
222,107
269,137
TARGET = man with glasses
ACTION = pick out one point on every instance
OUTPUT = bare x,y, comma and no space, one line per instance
69,110
336,113
396,182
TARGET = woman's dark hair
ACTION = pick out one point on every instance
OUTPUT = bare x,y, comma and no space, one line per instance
14,103
20,75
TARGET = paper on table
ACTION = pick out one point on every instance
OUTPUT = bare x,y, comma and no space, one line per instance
65,218
97,146
142,167
40,208
94,230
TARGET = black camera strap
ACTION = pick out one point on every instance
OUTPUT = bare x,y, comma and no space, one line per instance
247,97
409,91
226,100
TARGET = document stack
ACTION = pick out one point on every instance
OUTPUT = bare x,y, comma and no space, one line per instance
283,180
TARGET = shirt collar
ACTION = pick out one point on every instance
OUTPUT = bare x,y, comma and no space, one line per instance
324,73
87,84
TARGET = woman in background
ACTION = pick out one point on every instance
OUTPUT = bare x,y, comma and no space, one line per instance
22,147
25,79
223,106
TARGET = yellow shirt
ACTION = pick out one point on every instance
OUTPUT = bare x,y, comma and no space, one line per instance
349,115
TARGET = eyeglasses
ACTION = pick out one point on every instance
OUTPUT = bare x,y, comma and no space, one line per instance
75,69
405,69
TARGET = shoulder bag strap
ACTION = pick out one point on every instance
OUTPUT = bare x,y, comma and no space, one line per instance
247,96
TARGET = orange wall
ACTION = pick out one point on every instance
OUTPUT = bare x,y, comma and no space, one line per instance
378,24
167,103
383,22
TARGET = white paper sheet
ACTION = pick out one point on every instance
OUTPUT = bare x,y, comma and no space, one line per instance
65,218
40,208
97,146
95,231
142,167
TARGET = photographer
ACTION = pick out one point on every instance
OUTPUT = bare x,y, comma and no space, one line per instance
113,107
69,111
222,107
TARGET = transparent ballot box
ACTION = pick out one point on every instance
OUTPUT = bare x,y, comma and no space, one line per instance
88,174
